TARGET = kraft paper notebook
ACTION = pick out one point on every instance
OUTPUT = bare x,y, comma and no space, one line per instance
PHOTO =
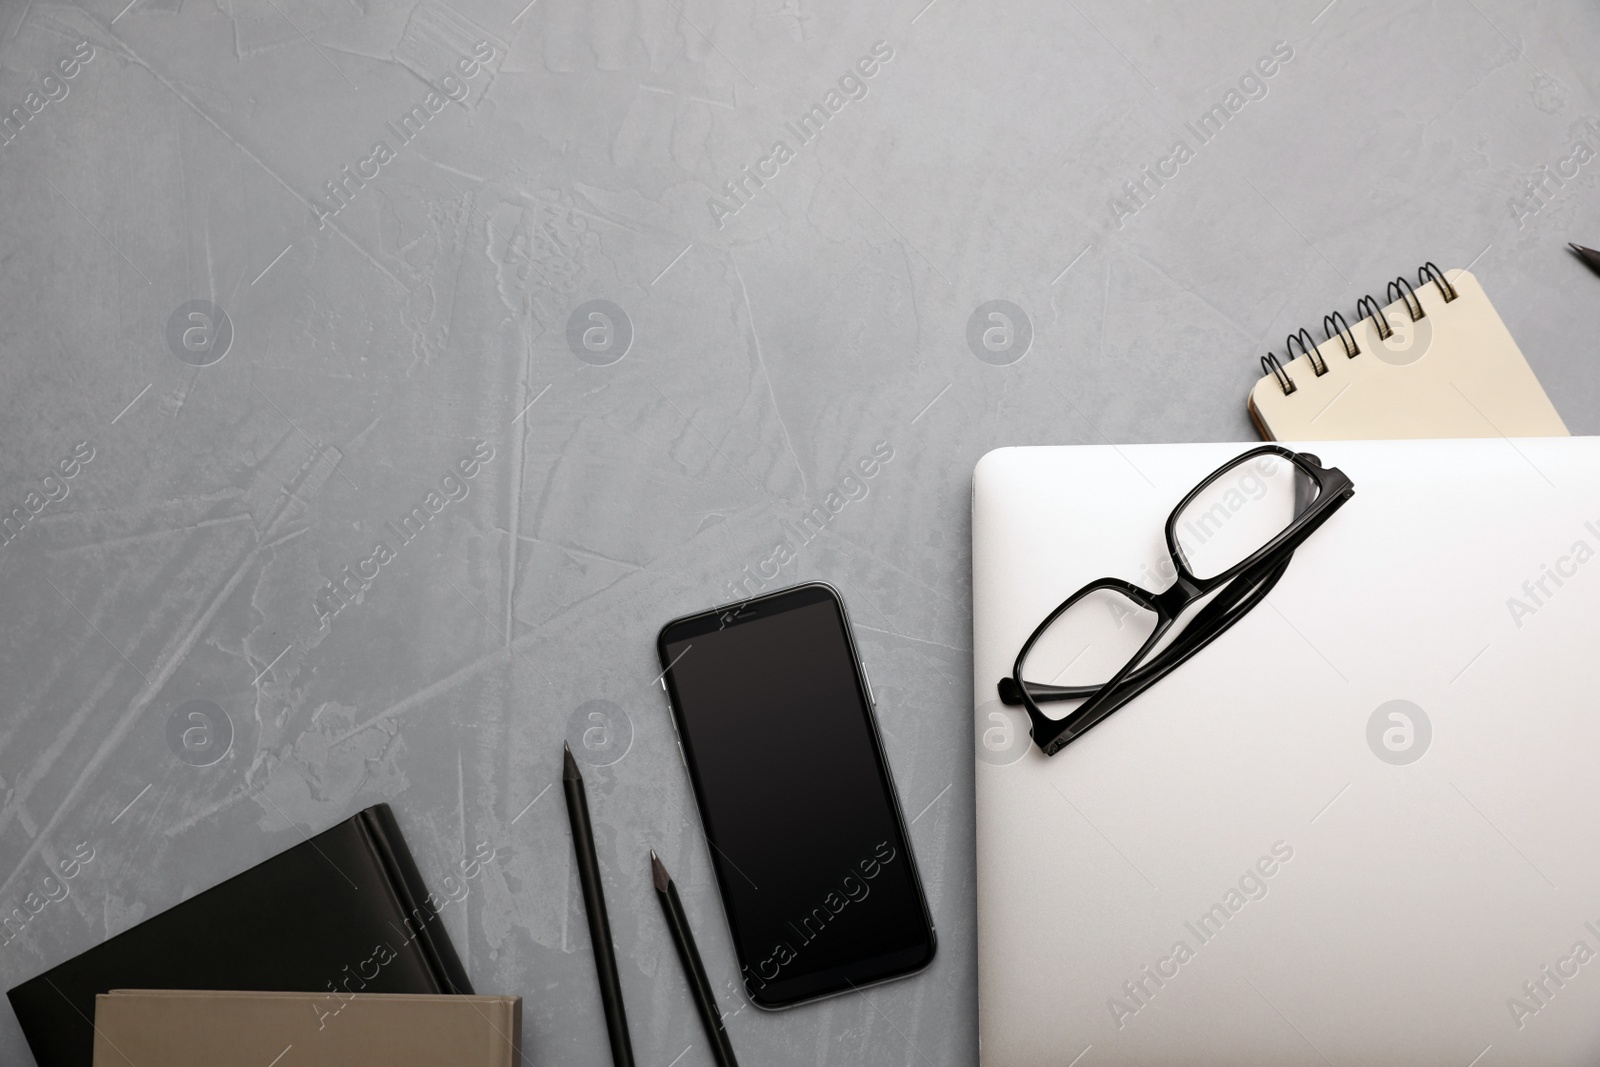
1437,361
1357,829
179,1028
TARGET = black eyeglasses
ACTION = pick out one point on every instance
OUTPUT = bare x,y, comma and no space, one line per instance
1233,536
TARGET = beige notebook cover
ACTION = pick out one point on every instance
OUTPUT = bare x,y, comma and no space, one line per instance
1454,372
179,1028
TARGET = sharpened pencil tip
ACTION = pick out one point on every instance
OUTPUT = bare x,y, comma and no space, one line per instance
569,766
658,873
1590,257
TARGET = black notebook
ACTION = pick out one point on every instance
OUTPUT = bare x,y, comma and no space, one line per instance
344,911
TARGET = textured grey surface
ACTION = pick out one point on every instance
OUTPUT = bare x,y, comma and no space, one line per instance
375,346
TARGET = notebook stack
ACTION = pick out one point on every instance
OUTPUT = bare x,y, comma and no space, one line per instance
339,930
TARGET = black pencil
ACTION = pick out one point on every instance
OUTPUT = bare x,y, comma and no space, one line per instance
699,985
594,905
1588,255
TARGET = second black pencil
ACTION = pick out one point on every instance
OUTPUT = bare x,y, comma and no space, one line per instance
699,986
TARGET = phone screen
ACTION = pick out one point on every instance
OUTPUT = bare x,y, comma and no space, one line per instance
806,835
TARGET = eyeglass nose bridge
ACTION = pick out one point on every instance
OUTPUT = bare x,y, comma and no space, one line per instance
1171,602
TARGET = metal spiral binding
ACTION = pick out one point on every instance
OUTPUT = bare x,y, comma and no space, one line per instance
1367,307
1270,364
1374,312
1346,338
1413,302
1427,271
1308,348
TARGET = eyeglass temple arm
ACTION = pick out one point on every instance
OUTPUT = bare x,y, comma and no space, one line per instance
1236,599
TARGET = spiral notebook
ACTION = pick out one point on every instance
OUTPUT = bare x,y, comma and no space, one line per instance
1437,361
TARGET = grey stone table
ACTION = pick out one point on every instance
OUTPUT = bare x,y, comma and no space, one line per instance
278,273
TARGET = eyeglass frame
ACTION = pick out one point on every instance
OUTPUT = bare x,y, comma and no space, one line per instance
1255,576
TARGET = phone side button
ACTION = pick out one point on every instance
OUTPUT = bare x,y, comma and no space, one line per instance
868,679
681,757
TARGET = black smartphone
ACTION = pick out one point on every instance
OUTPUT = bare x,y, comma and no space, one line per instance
774,719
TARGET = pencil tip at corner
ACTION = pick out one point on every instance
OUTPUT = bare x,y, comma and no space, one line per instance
658,872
